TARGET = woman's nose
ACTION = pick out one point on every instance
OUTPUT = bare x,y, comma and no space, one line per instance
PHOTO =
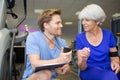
83,21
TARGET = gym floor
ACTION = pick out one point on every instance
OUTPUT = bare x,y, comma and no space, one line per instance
73,75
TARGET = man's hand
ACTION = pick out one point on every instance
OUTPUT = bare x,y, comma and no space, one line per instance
63,70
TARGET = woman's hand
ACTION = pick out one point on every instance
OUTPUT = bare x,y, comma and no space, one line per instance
84,53
63,70
83,56
115,63
115,66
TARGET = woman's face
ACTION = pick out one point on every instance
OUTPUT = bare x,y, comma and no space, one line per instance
89,24
55,25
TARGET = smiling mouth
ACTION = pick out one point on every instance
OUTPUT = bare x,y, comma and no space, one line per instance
85,26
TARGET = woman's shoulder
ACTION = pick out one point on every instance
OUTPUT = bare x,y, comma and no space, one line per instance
106,31
81,34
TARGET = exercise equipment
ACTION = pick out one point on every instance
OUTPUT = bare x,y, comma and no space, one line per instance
8,37
115,28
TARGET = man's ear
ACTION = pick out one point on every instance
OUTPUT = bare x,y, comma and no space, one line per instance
45,25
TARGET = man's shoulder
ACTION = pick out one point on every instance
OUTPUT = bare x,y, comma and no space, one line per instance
60,39
36,33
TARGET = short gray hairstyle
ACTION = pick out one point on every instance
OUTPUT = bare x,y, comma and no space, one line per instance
93,12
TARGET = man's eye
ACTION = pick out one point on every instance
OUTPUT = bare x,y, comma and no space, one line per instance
58,23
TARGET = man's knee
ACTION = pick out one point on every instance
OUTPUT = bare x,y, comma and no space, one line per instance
41,75
47,75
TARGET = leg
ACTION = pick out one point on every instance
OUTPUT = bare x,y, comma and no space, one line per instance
118,75
96,73
41,75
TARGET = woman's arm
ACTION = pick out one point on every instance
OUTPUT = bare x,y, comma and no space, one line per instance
82,58
114,61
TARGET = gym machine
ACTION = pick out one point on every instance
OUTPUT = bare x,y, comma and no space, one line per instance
8,37
115,28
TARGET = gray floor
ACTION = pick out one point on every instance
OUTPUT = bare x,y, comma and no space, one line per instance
72,75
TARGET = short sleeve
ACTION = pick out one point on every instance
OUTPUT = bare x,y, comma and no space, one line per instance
64,43
112,40
78,43
32,45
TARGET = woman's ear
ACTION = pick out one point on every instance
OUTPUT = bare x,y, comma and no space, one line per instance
98,22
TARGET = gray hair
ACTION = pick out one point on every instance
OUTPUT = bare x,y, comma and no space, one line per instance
93,12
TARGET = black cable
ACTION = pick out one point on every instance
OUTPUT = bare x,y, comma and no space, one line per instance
11,54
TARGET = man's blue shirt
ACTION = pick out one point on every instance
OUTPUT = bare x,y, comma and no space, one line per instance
37,44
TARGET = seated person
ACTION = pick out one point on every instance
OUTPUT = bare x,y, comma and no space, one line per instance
93,46
46,47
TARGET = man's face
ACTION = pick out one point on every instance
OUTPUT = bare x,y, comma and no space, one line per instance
55,25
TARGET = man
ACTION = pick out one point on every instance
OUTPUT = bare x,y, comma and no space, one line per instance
46,47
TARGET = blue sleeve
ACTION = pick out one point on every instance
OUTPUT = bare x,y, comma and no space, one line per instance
64,43
112,40
61,42
32,45
78,43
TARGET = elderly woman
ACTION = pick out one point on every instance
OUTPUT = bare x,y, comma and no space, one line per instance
93,46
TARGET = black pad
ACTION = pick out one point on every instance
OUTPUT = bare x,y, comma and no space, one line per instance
113,54
66,49
20,52
49,66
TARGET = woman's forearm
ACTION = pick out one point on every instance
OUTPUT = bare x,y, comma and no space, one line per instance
116,59
82,64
